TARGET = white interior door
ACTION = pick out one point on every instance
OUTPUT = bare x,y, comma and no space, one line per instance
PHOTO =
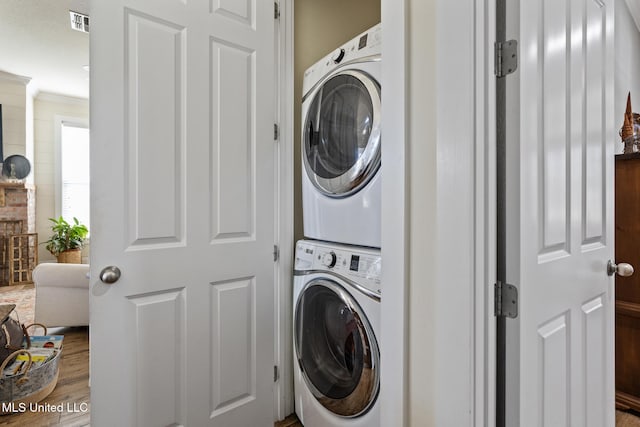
182,198
560,141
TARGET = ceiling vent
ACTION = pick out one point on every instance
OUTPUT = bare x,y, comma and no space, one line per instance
79,22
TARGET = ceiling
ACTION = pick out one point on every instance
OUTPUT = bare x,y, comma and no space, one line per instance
36,41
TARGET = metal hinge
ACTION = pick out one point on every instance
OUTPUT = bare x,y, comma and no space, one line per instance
505,300
506,57
276,10
276,253
276,132
276,374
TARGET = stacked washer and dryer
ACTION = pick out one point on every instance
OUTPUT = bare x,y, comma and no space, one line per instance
337,287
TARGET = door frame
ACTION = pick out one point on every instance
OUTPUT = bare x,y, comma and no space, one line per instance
486,223
439,357
466,166
283,269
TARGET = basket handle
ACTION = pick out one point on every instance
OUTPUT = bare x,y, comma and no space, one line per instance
20,370
26,332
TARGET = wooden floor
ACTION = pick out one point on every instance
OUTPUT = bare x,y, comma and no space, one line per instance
290,421
72,390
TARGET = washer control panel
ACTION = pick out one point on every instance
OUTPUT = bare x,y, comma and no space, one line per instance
362,266
367,44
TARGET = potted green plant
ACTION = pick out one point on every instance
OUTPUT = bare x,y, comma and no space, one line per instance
67,240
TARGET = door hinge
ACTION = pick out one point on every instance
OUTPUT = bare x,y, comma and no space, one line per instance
276,253
276,132
276,374
276,10
505,300
506,57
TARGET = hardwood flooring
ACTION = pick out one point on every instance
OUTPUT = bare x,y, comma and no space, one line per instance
290,421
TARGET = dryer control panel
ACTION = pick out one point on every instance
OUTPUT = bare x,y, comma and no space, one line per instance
360,265
367,44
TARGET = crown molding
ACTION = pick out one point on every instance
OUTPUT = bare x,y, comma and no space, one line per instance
62,99
14,78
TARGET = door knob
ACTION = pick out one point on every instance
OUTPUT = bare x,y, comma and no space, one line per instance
623,269
110,274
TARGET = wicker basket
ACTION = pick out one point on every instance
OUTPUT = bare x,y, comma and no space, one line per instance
31,385
70,256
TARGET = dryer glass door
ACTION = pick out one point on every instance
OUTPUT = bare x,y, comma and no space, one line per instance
336,349
342,133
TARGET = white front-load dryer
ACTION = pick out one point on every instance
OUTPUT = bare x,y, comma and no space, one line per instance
336,321
341,137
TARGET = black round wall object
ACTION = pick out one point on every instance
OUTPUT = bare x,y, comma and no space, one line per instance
16,167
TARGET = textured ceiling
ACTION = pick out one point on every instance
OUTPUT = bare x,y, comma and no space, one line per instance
36,41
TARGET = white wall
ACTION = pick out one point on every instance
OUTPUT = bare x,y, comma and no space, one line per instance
13,97
29,146
46,108
422,192
627,75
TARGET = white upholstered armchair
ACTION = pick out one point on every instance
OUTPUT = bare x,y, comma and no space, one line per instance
62,294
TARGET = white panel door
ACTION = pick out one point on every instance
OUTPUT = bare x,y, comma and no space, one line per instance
182,198
560,141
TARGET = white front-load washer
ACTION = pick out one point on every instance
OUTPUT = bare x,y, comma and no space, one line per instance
341,137
336,319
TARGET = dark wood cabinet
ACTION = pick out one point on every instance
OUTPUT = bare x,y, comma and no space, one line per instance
627,235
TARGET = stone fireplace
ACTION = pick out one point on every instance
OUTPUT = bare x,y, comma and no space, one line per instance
18,240
18,203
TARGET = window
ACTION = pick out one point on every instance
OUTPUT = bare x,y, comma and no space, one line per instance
74,172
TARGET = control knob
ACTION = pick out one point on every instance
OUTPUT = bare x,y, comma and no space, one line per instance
337,56
329,259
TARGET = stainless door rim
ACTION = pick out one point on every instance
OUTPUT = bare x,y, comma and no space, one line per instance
369,161
368,386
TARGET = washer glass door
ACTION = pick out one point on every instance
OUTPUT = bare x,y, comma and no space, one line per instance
342,133
336,349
